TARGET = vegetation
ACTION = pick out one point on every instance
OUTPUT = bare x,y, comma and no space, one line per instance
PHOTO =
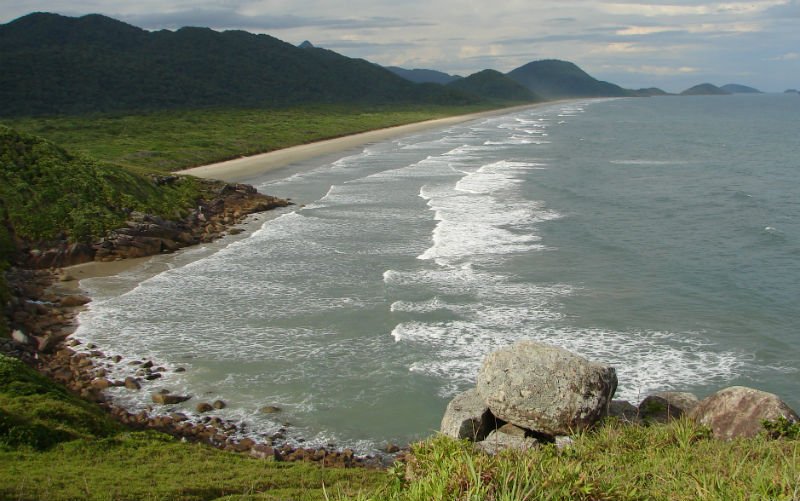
47,193
55,446
677,461
54,64
494,86
554,79
175,139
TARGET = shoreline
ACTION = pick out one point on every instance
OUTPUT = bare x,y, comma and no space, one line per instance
90,377
244,168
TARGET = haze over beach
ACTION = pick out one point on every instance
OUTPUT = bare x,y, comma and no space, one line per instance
636,44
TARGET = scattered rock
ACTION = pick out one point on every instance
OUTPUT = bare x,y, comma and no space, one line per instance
270,409
168,399
738,411
667,405
21,338
74,300
623,410
498,441
544,388
204,407
391,448
468,416
218,404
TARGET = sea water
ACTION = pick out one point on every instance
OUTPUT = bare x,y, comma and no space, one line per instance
660,235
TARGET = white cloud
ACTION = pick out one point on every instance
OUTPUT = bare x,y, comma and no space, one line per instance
789,56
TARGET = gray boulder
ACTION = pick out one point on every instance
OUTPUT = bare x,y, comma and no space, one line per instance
667,405
738,411
467,416
545,389
624,411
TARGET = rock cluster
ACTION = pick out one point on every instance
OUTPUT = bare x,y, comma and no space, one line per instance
147,235
531,393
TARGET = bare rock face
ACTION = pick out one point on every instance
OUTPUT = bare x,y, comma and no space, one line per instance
738,411
667,405
468,416
545,389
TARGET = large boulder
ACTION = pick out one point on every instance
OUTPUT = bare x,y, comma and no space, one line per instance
468,416
738,411
545,389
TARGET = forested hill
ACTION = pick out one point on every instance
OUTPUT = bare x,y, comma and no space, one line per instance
53,64
554,79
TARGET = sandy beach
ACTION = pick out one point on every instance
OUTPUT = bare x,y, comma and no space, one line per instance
241,169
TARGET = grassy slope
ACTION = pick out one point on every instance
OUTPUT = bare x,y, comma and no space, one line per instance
172,140
676,462
54,446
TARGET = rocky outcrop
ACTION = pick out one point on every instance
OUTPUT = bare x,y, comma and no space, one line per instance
545,389
148,235
468,416
738,411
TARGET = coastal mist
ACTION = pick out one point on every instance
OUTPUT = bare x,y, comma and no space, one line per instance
660,235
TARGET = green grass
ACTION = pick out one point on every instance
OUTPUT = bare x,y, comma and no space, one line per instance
678,461
54,446
172,140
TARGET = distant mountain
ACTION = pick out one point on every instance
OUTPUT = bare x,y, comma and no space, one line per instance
53,64
494,86
740,89
705,89
306,45
650,92
792,91
423,76
554,79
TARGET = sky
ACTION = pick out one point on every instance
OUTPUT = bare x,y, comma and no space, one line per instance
640,43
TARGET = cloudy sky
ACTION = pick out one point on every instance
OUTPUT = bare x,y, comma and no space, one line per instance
671,44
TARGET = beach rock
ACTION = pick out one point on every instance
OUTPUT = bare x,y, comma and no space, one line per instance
74,300
467,416
132,384
624,411
738,411
204,407
20,337
168,399
666,406
498,441
544,388
218,404
270,409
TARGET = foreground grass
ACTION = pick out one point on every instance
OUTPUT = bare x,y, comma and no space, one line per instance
678,461
172,140
54,446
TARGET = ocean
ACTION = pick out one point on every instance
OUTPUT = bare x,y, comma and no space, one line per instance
658,235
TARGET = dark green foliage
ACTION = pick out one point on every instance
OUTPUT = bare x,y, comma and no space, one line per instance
493,85
47,193
782,428
55,65
554,79
424,76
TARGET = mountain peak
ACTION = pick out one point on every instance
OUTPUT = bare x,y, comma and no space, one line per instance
306,45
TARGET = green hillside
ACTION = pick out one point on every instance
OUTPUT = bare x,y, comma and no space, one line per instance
554,79
47,193
54,64
494,86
